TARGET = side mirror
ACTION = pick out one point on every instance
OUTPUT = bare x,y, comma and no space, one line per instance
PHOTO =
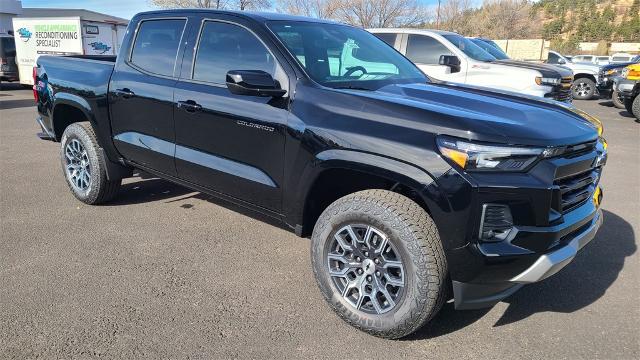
253,83
451,61
561,61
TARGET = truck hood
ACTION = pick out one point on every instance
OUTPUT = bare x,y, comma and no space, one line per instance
482,115
584,68
616,66
545,70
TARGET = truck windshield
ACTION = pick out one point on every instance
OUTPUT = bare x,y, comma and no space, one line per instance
468,47
341,56
7,47
496,52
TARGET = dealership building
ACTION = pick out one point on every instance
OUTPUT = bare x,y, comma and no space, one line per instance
10,9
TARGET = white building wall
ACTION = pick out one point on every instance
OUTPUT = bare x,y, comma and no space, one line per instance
8,9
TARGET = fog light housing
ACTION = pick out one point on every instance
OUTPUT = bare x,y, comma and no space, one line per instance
496,222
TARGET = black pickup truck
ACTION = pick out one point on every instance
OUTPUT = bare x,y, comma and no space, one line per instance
413,193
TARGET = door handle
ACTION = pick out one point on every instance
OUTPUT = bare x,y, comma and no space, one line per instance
125,93
189,106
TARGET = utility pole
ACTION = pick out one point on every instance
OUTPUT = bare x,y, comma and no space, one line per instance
438,16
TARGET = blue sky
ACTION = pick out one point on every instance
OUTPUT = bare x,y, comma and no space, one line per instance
122,8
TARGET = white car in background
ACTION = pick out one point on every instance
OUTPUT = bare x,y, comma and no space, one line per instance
621,58
591,59
586,76
448,56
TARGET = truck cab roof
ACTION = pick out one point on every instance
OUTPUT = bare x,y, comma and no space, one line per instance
253,15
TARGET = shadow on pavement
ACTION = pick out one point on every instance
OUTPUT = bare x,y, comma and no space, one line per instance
580,284
625,113
149,188
15,104
605,102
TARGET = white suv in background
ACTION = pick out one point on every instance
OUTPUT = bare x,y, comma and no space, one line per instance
586,76
450,57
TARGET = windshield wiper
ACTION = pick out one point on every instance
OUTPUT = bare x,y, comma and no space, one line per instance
351,87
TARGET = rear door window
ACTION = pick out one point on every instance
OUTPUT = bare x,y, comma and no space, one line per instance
422,49
387,37
156,45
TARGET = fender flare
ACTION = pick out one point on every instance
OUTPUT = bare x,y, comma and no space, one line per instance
113,169
395,170
63,98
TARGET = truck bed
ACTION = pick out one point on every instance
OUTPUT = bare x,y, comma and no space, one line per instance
82,79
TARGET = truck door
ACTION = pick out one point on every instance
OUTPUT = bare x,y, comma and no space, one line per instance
232,144
141,95
425,52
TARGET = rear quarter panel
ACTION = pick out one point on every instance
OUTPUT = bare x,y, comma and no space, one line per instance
79,82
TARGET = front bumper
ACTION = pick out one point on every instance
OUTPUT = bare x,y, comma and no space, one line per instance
553,262
480,295
625,87
606,86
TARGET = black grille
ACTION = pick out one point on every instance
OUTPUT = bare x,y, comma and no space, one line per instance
572,151
562,92
577,189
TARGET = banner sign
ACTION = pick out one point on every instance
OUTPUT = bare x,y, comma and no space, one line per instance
42,36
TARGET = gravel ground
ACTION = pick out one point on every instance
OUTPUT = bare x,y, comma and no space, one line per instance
165,272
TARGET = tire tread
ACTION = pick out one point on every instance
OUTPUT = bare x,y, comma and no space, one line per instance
423,242
107,189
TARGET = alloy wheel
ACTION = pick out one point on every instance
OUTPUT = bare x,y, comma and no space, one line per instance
365,268
78,165
582,89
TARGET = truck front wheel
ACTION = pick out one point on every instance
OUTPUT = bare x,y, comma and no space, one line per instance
635,107
628,105
583,89
379,262
83,166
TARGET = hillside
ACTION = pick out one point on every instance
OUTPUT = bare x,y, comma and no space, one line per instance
589,20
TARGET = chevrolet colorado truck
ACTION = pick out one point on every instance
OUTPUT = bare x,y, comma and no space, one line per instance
413,193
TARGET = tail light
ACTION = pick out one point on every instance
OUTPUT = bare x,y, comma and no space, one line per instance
3,61
34,74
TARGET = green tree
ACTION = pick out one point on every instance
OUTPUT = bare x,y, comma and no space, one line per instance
629,30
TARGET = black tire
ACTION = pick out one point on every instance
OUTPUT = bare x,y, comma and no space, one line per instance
583,89
618,101
99,189
635,107
413,234
628,105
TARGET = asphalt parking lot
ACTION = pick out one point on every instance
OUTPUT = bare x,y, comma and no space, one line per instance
164,272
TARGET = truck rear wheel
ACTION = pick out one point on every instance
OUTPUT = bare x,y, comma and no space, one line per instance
617,99
83,166
379,262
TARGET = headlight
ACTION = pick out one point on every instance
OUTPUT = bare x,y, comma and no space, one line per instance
481,157
547,81
592,119
625,72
